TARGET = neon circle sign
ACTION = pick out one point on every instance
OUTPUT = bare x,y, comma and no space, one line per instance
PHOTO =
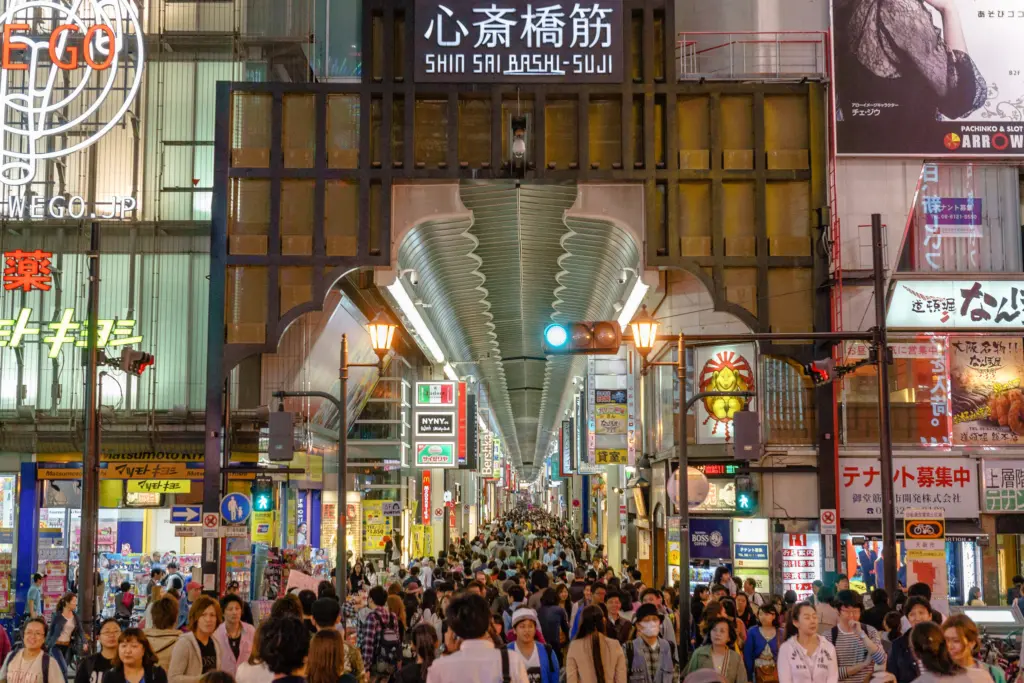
68,75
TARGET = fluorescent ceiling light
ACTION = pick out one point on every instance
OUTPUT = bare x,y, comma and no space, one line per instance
633,302
419,325
450,373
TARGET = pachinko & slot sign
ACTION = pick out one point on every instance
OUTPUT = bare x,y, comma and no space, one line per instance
70,73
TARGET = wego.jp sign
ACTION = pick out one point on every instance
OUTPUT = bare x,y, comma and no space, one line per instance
516,41
70,72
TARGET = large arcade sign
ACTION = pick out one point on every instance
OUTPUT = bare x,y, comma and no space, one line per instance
70,72
490,41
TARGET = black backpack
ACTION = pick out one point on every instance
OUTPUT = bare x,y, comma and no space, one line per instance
387,656
506,676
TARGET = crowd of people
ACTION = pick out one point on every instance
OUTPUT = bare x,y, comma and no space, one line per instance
525,601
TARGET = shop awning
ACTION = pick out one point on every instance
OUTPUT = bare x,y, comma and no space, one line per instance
956,529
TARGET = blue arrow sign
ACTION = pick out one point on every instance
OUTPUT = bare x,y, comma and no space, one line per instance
235,508
186,514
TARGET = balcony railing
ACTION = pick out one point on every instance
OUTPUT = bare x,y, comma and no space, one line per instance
754,55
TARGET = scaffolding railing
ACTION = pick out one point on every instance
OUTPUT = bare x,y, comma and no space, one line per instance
753,55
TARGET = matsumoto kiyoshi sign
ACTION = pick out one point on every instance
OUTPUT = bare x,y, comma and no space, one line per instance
71,71
477,41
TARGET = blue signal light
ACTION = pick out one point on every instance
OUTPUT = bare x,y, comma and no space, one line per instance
556,335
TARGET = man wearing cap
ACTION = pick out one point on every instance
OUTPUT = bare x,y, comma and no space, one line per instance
649,657
541,662
192,591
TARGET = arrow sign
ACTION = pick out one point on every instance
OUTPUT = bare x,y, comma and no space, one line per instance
186,514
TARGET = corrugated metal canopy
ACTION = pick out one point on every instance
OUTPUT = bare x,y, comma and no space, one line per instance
491,286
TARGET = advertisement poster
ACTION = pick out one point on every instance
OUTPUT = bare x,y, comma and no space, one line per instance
801,563
728,369
927,82
949,482
610,411
710,539
376,526
925,534
985,388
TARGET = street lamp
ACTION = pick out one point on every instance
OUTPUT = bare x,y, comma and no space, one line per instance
645,331
382,335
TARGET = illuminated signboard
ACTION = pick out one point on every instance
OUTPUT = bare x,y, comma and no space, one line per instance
717,469
27,270
62,91
109,333
516,41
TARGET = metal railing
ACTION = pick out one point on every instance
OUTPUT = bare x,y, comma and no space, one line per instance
753,55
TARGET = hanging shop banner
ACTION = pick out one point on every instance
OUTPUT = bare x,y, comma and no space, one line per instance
709,539
435,455
801,562
377,526
611,411
986,374
612,456
515,41
422,540
956,304
565,441
486,454
461,437
953,93
435,394
722,368
1004,485
435,424
425,502
947,482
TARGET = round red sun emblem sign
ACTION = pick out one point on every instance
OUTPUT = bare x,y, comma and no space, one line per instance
727,371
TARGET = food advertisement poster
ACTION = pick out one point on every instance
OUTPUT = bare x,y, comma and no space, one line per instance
726,369
929,77
985,388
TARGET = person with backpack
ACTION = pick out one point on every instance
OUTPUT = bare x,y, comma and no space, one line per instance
761,648
476,659
381,641
124,604
650,658
593,657
541,662
30,663
858,646
161,633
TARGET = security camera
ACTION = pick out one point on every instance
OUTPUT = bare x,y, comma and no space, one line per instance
414,278
623,276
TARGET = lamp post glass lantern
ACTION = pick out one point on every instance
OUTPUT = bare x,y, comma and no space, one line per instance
645,331
382,333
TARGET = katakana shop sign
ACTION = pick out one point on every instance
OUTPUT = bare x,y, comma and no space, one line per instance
956,304
947,482
473,41
1004,485
927,82
62,90
985,383
65,331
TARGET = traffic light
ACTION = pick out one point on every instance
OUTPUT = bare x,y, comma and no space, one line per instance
263,495
746,496
821,371
135,362
603,337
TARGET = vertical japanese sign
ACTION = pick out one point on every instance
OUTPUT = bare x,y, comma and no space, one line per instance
376,526
516,41
727,369
461,409
565,438
801,563
985,384
426,497
611,411
925,533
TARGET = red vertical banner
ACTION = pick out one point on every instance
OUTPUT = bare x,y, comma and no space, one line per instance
451,517
426,497
460,408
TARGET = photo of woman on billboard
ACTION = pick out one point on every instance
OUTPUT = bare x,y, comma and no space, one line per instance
896,68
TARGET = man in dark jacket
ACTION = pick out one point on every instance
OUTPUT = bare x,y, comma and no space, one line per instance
879,608
902,664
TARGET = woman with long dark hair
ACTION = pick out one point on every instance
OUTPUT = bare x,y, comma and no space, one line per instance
806,657
931,652
65,637
761,649
326,660
134,661
424,644
594,657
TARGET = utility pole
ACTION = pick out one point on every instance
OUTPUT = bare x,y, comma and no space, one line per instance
881,344
91,457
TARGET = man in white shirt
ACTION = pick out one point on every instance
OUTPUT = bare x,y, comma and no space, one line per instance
477,660
427,573
753,597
